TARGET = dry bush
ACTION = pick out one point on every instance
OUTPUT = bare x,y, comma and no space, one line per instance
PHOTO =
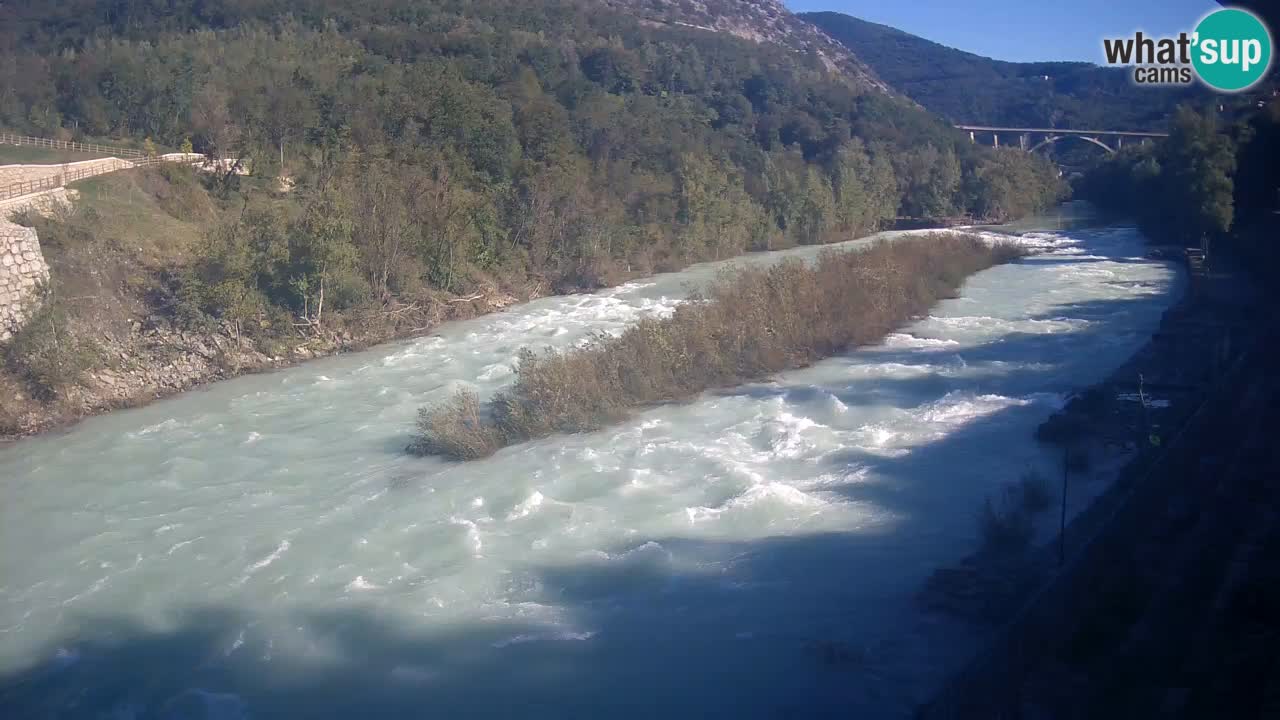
747,324
1005,526
16,405
456,429
50,353
1035,492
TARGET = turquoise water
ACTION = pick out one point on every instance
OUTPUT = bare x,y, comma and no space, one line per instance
263,548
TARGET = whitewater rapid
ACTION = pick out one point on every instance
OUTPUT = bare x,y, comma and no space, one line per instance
263,547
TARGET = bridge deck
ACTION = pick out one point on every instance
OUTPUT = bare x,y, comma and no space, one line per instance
1062,131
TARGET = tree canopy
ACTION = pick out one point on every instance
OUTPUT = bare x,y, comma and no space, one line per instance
445,144
1209,174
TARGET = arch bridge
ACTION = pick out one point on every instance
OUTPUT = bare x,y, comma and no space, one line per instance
1108,140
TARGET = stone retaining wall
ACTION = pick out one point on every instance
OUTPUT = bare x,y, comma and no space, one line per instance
22,273
46,203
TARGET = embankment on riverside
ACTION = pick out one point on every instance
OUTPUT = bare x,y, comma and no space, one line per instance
164,279
1167,567
747,324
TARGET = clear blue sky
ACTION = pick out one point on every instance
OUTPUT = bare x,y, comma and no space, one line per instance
1022,31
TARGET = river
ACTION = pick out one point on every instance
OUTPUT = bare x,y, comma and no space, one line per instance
262,547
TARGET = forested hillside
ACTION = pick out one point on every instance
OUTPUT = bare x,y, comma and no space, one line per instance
971,89
558,138
455,147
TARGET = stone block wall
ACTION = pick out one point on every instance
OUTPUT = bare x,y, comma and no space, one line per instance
46,203
22,272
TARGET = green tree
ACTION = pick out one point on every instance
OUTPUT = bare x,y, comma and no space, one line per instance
1197,164
242,266
453,145
289,112
321,254
1011,183
718,217
1258,173
929,179
817,209
865,192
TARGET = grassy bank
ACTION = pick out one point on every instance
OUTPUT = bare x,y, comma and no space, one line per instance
132,313
746,325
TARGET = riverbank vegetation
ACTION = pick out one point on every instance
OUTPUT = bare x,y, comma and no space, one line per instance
547,125
1006,523
746,325
413,162
456,146
1215,174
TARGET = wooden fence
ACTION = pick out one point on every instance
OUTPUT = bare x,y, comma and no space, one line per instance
70,174
11,139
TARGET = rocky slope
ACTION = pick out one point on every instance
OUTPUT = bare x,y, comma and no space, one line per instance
758,20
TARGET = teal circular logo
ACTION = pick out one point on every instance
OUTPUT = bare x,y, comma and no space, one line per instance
1232,49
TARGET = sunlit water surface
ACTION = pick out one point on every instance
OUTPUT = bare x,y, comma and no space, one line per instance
263,548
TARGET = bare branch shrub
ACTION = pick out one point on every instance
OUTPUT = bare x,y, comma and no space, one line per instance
746,325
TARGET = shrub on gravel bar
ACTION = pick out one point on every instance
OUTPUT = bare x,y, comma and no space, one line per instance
749,323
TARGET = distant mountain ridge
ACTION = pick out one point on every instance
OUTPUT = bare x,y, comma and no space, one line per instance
968,88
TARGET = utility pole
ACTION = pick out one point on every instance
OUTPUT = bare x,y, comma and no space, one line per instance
1062,519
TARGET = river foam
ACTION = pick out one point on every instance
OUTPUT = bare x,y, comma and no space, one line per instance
664,566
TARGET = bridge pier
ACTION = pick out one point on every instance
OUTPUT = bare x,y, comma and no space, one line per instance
1027,136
